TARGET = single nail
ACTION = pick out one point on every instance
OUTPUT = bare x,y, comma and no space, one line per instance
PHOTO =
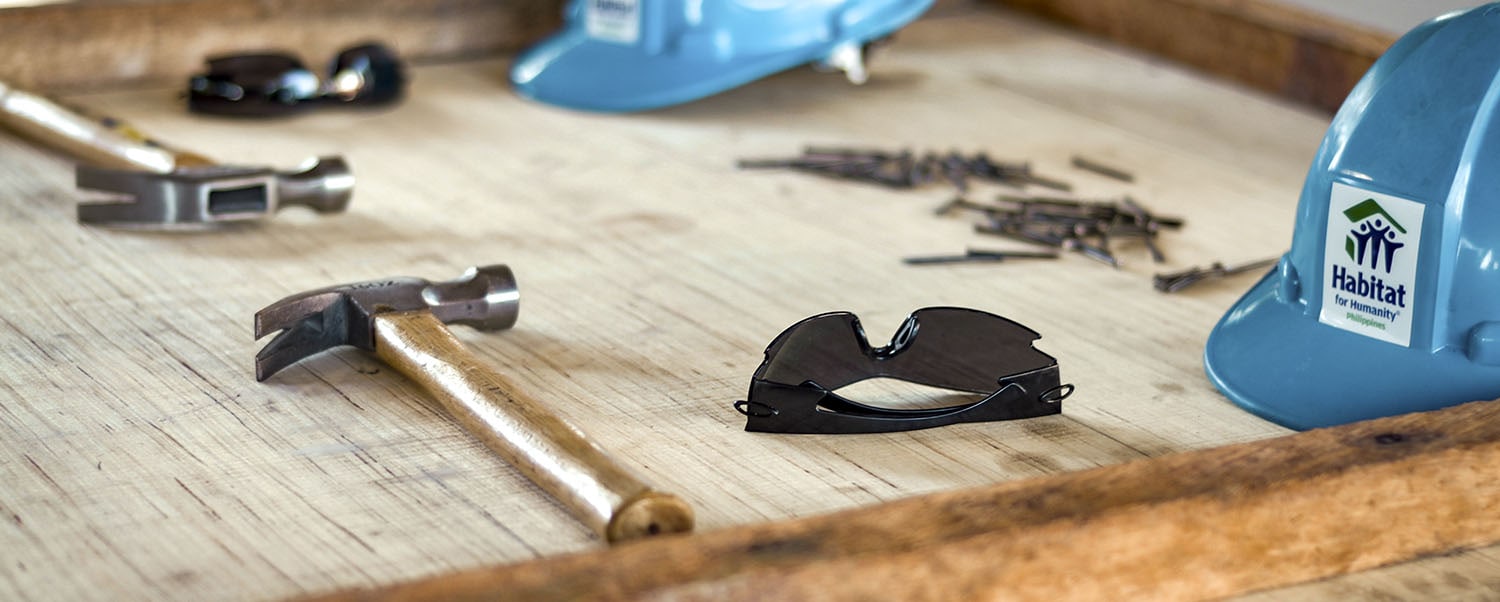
1102,169
1092,252
1044,182
972,252
1176,281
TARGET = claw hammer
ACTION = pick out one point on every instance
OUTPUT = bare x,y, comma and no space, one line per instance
402,320
165,187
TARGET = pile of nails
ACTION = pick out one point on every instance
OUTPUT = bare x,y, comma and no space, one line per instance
905,169
1085,227
1063,224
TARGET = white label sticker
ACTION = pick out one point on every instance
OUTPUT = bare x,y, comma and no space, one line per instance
1370,263
613,20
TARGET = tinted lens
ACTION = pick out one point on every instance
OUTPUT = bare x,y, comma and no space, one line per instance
252,66
947,347
827,349
964,349
252,84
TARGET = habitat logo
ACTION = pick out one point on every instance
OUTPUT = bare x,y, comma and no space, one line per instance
1374,234
1370,263
617,21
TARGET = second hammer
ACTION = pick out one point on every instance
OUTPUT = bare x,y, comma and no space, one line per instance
402,321
152,186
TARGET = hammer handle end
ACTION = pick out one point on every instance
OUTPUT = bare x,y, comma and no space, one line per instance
649,514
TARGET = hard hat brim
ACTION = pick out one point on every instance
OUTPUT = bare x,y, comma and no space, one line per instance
574,71
1278,361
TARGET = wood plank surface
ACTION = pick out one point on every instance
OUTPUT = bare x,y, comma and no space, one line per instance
143,461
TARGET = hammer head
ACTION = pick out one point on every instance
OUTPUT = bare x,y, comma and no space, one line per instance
196,196
485,298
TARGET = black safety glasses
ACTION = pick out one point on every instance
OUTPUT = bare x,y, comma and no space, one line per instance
274,84
945,347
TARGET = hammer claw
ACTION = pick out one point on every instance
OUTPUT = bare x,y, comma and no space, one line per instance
136,212
289,311
304,338
281,352
309,323
132,208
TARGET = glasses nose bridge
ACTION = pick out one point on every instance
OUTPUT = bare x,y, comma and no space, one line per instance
900,340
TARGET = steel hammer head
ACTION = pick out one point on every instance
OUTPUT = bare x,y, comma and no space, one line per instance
485,298
196,196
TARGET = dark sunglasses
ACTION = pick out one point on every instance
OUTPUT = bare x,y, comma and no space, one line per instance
953,348
273,84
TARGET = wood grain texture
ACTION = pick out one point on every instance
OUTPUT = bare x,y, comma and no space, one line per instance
103,44
141,460
1288,51
1192,526
555,455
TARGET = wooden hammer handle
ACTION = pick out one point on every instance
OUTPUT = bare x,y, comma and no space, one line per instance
93,140
552,453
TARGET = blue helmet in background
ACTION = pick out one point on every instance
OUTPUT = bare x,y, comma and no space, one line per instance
1389,300
633,55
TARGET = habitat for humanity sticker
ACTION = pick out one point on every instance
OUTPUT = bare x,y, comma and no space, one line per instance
1370,263
613,20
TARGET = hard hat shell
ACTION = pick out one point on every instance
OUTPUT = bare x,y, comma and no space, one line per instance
1389,300
632,55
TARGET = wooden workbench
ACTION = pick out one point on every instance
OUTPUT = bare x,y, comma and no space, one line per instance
141,460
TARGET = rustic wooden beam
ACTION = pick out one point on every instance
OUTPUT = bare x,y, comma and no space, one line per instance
1187,526
1290,52
92,45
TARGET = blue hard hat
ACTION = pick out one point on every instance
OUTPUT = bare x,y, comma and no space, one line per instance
633,55
1389,300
